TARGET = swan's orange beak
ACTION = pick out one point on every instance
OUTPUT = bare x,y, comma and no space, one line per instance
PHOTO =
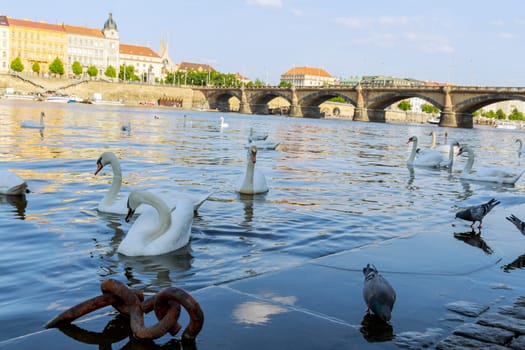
254,157
99,167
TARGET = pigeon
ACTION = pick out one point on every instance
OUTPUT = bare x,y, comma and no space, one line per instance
378,293
517,222
477,212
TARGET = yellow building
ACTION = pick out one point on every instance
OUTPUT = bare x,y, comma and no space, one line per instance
36,42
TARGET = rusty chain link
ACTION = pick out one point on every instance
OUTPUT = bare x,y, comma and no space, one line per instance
166,305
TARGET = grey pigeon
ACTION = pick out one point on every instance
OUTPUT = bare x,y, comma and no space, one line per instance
477,212
517,222
378,293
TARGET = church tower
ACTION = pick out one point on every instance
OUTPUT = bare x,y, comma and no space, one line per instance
112,45
167,63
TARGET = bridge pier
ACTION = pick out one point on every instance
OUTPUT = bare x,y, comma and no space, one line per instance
361,114
453,120
295,111
244,108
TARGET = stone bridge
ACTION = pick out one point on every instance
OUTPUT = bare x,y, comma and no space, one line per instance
456,103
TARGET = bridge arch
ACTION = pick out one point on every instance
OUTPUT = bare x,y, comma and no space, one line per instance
220,100
259,100
310,103
469,106
377,105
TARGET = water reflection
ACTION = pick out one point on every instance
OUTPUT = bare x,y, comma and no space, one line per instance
474,239
116,331
518,263
248,201
256,312
19,204
374,329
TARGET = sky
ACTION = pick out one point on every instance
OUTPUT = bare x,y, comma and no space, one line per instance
460,42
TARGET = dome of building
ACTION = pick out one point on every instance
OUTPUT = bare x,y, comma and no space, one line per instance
110,23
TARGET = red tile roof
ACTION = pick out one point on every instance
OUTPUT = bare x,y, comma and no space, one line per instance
307,71
195,67
36,25
83,31
137,50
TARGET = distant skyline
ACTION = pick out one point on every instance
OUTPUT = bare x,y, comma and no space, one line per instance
461,42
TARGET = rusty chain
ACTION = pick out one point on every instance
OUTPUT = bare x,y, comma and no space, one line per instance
166,305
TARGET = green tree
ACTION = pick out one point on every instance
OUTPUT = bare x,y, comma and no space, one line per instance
428,108
110,72
516,115
76,68
36,68
283,83
127,73
500,114
57,67
404,105
17,65
92,71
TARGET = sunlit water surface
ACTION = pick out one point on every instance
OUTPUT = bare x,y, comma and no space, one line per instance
335,185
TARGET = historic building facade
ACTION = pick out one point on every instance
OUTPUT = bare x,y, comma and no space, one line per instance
308,76
42,43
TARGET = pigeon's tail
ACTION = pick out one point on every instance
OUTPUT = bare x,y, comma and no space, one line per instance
517,222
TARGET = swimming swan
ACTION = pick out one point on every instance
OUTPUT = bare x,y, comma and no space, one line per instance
158,230
252,182
430,158
222,123
488,174
444,148
115,202
31,124
12,184
520,149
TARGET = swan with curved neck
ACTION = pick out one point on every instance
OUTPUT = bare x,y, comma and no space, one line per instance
223,124
114,202
430,158
253,181
31,124
488,174
12,184
158,230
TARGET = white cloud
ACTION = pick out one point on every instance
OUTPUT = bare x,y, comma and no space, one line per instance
506,35
297,12
354,22
265,3
429,43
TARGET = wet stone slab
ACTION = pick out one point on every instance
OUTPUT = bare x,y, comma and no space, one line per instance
455,342
518,343
513,310
503,321
484,333
467,308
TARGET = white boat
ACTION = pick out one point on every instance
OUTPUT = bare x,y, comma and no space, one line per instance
433,120
506,125
96,99
57,99
19,97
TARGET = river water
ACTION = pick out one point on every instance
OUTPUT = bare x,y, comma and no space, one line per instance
334,185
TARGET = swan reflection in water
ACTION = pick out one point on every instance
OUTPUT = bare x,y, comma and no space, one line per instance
248,200
19,203
374,329
474,239
136,268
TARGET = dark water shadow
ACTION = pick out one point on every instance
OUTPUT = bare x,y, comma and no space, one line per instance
374,329
19,204
518,263
117,330
474,239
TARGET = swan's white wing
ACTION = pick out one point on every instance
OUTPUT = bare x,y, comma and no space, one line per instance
11,183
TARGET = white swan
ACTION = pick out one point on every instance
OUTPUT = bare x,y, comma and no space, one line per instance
252,182
115,202
444,148
263,144
488,174
429,158
12,184
223,124
157,230
32,124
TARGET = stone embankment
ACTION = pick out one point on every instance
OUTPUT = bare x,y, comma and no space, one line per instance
130,94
